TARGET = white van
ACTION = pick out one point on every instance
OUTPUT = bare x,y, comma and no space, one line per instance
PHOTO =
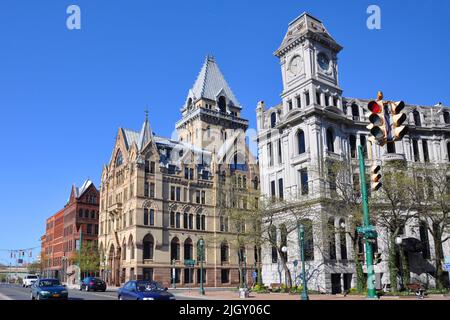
28,280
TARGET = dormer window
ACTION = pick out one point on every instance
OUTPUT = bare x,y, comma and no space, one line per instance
416,116
355,111
446,117
222,104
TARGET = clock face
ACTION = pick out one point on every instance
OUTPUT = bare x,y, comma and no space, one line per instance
323,61
296,65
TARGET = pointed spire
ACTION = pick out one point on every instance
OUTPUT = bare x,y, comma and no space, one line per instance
146,132
210,84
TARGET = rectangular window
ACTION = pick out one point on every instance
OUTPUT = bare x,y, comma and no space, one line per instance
147,166
152,190
280,188
270,153
152,167
280,152
89,229
304,181
318,98
191,174
299,102
172,193
186,173
225,275
416,151
185,220
146,189
307,100
197,196
290,104
178,193
426,156
203,197
145,216
172,219
272,190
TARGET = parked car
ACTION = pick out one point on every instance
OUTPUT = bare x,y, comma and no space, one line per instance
92,283
143,290
48,289
28,280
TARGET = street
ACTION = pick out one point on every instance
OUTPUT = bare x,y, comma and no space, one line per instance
16,292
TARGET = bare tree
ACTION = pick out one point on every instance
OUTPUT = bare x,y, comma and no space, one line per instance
392,209
431,196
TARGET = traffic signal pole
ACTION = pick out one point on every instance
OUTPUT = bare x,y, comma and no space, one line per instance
371,293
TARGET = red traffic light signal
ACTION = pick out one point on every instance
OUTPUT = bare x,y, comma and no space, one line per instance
377,121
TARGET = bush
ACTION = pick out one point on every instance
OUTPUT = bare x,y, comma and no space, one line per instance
259,289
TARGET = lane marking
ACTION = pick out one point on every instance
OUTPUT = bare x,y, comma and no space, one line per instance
4,297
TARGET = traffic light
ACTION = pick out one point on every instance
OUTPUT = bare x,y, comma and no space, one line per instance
377,124
375,177
398,118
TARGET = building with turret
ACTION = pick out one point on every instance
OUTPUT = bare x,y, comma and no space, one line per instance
314,126
161,196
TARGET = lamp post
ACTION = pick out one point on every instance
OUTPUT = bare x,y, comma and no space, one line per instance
301,238
201,243
398,241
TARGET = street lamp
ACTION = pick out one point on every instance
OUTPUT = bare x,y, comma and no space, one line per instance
201,243
173,274
399,241
301,240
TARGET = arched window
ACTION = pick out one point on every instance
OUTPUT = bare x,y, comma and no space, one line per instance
119,159
148,244
185,220
175,249
197,221
273,120
330,140
332,234
416,116
301,141
191,221
446,115
355,111
343,239
353,146
222,104
188,249
224,251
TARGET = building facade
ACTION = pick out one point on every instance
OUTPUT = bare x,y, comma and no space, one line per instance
79,217
160,196
315,125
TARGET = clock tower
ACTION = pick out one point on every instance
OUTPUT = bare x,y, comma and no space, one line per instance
308,58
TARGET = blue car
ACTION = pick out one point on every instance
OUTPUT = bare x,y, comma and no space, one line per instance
48,289
143,290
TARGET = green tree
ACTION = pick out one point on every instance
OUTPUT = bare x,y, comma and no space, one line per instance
88,258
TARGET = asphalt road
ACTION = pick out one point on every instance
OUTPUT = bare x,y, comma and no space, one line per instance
16,292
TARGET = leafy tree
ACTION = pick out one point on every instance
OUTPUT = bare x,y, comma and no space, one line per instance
88,258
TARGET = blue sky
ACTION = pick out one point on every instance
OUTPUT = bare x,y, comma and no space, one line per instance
63,94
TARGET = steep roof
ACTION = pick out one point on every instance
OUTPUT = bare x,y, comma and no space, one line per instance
305,26
210,84
146,133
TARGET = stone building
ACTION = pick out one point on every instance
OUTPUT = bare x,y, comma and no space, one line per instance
160,196
314,125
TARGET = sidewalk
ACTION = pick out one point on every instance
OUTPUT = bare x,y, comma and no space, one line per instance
234,295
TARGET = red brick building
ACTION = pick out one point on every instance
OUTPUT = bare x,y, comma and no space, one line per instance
62,233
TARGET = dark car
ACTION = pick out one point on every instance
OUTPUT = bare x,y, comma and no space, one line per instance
48,289
144,290
92,283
